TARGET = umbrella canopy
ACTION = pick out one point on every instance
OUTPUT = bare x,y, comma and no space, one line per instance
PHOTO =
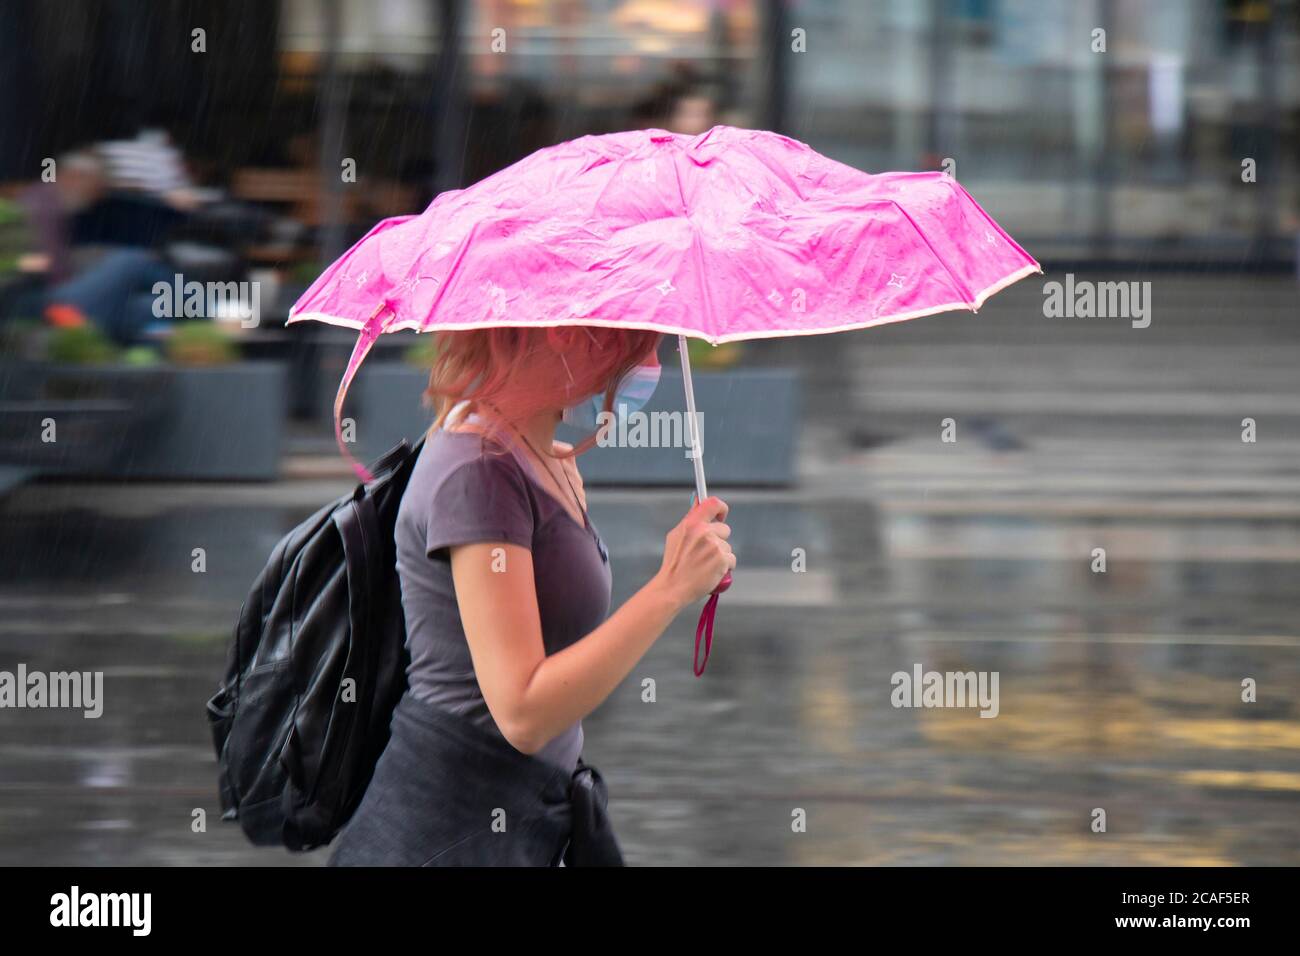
732,234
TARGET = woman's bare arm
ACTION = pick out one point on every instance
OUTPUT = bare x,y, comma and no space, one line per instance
533,697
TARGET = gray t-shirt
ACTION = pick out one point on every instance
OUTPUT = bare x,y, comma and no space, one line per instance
467,488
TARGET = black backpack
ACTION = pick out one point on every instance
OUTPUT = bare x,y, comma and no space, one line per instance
318,664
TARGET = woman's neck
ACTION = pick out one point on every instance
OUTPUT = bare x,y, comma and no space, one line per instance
537,431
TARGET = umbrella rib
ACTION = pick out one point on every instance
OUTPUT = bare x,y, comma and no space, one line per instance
990,221
705,293
450,272
967,293
709,323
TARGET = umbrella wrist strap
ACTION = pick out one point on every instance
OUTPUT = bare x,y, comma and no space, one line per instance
374,327
705,630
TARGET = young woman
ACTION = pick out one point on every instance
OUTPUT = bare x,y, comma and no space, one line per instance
506,592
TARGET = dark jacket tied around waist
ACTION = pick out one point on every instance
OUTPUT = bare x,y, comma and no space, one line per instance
446,793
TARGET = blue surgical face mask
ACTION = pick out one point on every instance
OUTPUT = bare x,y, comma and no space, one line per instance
632,394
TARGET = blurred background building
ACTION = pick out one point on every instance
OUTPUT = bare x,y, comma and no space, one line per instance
1135,150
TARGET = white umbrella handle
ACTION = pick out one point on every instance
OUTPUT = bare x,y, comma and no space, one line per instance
704,630
692,423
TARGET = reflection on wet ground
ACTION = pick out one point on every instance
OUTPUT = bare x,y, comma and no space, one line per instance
1119,690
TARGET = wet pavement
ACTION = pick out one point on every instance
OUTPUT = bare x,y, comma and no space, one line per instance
1118,690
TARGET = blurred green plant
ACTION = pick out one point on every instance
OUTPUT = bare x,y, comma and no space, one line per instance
10,212
423,352
141,356
305,272
200,344
711,358
14,239
80,345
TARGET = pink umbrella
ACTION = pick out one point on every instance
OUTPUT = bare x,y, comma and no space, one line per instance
732,234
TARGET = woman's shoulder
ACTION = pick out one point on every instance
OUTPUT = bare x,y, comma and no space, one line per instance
465,489
466,457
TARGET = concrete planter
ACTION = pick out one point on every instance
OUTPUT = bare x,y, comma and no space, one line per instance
385,402
158,422
749,419
77,420
224,423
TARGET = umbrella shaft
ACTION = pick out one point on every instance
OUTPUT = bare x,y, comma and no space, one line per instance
692,422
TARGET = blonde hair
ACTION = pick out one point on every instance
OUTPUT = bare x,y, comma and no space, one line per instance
514,373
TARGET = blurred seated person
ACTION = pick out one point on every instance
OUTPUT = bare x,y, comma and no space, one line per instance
50,208
115,294
149,192
681,103
150,165
71,281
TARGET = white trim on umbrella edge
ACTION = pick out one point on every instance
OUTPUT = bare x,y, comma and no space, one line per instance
973,306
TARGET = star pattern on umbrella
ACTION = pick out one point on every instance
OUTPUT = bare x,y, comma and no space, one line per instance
666,286
497,296
775,297
896,280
